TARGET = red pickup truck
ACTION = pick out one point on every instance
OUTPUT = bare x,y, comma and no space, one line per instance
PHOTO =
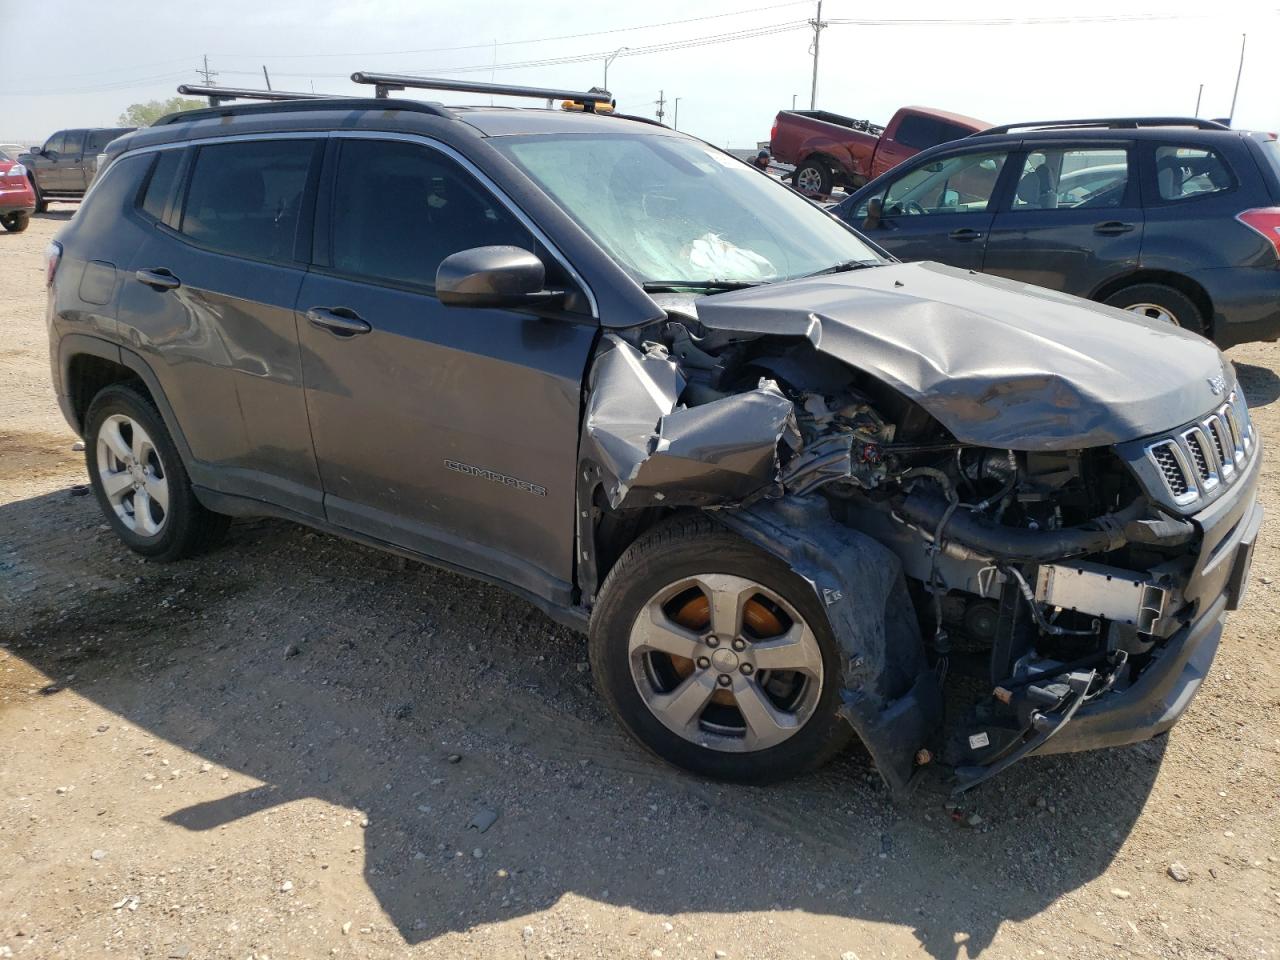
829,150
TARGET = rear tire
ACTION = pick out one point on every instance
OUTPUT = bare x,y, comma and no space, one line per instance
15,222
813,178
140,481
1160,302
759,704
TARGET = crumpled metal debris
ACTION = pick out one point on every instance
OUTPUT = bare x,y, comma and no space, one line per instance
653,451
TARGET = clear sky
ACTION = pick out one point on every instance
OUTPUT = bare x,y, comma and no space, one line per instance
82,63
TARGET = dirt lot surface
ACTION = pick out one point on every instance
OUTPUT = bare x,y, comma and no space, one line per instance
277,750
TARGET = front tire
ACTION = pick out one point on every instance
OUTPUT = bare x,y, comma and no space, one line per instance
140,481
42,203
1160,302
15,222
717,657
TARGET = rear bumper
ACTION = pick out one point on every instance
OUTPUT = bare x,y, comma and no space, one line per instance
17,201
1246,303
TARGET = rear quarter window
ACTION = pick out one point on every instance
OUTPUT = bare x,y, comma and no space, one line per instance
1183,173
1271,156
160,184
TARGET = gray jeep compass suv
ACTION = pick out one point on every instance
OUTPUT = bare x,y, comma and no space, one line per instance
792,489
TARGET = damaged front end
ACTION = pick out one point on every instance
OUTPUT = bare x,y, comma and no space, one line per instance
1055,596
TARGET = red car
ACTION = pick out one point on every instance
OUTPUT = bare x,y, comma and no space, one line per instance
17,199
830,150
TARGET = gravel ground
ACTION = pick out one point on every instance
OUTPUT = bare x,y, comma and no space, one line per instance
279,750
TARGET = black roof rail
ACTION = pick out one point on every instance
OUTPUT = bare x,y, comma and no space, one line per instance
283,102
1107,123
387,82
219,95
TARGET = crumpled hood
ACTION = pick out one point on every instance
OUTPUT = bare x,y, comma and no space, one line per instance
998,363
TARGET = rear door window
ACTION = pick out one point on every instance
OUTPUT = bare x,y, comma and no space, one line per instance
1069,177
401,208
1186,172
98,139
245,199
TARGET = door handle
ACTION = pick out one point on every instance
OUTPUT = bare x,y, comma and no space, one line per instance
1113,228
965,235
158,278
339,320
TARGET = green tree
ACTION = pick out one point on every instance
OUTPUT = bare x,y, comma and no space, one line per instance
145,114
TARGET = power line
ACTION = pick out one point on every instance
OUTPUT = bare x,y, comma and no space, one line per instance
1019,21
511,43
748,33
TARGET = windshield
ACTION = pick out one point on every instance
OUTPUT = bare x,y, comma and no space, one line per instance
671,210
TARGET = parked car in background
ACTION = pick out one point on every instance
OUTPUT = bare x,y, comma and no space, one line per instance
1176,219
17,199
830,150
674,404
64,167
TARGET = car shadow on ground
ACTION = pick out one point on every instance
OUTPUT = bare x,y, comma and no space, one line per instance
1261,385
62,212
326,670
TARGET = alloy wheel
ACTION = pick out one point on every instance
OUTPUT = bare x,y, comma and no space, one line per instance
809,180
132,475
726,663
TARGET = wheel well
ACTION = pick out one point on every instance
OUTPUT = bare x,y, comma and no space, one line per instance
87,375
1180,283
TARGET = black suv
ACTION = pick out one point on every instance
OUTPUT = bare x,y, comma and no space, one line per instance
1176,219
777,477
65,166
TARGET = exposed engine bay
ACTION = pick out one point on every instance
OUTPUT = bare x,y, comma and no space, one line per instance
1022,584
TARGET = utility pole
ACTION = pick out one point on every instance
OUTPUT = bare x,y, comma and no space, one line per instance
661,102
818,25
608,60
1231,117
1198,96
793,101
206,73
266,76
675,120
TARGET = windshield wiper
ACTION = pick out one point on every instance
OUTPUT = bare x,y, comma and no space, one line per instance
843,267
675,286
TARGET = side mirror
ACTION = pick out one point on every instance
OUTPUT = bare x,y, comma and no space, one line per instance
492,277
875,210
36,151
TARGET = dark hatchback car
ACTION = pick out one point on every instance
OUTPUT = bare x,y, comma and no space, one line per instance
676,405
1177,219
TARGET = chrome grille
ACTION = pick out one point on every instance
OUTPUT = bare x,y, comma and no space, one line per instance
1166,457
1195,461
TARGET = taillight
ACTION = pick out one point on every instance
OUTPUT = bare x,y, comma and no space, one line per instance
17,170
773,134
1263,220
52,257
